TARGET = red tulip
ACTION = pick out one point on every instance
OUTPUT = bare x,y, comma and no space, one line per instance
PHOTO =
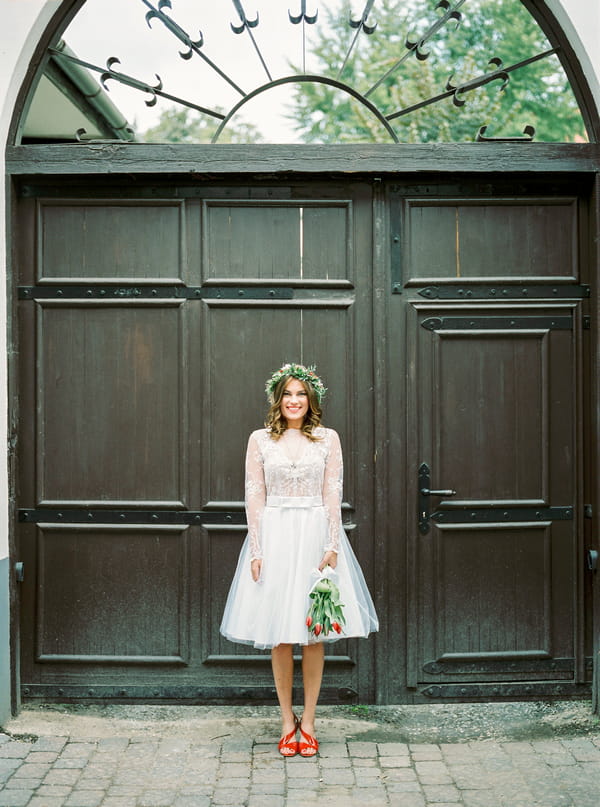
337,627
308,621
317,629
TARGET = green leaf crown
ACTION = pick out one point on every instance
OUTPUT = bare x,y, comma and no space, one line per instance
299,371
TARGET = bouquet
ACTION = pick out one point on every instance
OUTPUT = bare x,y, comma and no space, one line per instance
325,612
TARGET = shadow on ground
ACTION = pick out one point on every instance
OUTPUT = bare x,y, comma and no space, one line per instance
424,723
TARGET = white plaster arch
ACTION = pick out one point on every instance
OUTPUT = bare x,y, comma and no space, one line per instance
23,25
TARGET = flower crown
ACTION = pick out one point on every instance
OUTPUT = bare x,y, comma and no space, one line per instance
302,373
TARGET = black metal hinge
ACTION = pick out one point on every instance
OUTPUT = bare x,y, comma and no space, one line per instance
480,323
489,692
152,292
496,515
51,515
494,292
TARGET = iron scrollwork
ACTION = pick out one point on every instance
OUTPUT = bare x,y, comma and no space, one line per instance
450,12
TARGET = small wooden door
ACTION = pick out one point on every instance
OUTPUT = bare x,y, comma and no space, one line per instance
495,324
149,320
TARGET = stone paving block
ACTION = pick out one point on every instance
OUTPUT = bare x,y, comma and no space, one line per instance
403,787
361,749
93,782
266,801
157,798
42,756
72,764
77,750
406,800
46,801
120,801
395,762
497,763
424,752
85,798
392,749
518,749
468,777
188,790
62,776
9,765
192,801
346,762
360,762
370,783
434,794
235,798
229,769
50,743
53,790
582,749
433,773
268,788
481,798
22,784
399,775
306,772
337,776
112,745
303,762
267,776
333,749
372,795
15,798
14,750
32,771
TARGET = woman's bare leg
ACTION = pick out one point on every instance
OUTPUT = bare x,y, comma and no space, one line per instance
282,662
313,660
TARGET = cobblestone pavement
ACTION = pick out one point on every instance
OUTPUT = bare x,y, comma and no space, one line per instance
126,766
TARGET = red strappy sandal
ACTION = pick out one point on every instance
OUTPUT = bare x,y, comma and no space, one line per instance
288,745
308,746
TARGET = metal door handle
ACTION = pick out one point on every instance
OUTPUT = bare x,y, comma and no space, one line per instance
423,512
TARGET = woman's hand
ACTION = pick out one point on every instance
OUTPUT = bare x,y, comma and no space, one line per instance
329,559
255,568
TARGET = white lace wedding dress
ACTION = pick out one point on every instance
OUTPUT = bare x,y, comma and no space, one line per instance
293,507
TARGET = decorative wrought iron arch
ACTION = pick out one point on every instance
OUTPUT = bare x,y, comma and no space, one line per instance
445,15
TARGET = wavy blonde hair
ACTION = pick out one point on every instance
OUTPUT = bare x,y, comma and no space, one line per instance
276,422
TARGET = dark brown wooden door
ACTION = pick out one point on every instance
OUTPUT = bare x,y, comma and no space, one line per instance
495,327
149,321
447,321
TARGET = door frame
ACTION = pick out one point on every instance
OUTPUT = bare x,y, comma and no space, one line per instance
472,162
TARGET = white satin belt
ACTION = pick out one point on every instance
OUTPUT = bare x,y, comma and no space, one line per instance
294,501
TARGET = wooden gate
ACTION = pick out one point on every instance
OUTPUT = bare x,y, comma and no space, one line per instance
495,321
447,320
149,321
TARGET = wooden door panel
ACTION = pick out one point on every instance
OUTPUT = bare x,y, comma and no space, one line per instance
490,238
112,595
91,239
492,390
111,402
291,240
494,563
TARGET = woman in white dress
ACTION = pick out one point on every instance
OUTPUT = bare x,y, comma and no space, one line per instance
294,474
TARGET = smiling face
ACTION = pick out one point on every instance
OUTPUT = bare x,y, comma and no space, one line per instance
294,403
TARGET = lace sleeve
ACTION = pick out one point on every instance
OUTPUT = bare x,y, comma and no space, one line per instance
332,491
255,495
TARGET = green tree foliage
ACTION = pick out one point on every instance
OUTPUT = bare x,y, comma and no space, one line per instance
537,95
184,125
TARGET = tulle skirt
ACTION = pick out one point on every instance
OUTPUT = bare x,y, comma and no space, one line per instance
273,610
